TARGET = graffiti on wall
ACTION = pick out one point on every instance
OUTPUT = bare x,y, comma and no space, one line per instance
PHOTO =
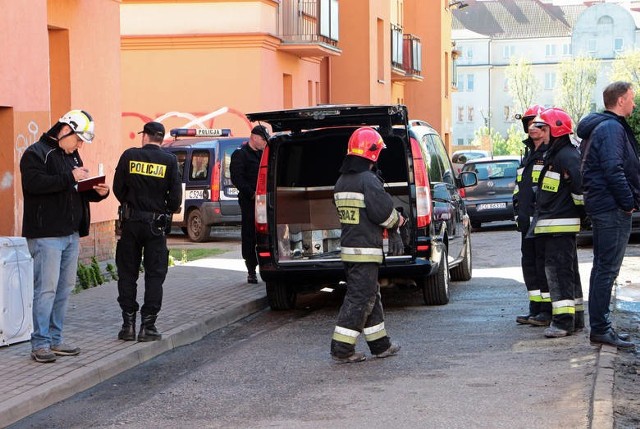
24,140
187,119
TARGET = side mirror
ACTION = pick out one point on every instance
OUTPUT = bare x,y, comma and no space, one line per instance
468,178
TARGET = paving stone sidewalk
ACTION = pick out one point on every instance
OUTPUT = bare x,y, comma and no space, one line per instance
199,297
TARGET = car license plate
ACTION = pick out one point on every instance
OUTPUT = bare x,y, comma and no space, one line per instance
231,191
492,206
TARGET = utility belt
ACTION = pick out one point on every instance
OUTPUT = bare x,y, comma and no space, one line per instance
160,222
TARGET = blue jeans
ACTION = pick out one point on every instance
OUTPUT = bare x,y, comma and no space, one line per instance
611,231
55,264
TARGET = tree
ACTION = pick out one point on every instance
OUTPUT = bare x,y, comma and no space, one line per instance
523,86
634,119
487,138
513,144
578,76
626,67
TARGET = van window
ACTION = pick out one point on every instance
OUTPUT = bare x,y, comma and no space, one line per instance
435,167
181,157
447,175
199,165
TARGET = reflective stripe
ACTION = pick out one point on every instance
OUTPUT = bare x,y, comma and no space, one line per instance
578,199
345,335
519,174
391,220
361,254
551,181
566,306
373,333
535,296
546,297
547,226
516,190
349,199
579,304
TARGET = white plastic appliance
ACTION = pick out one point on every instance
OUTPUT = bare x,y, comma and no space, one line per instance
16,291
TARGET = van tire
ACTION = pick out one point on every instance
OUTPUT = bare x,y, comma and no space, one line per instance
435,288
196,230
462,272
281,296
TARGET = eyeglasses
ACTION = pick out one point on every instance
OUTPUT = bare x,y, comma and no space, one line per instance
539,125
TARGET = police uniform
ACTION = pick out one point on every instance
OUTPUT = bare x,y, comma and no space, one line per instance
148,188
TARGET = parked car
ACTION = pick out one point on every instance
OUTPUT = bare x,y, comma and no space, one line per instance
297,226
491,199
208,198
459,157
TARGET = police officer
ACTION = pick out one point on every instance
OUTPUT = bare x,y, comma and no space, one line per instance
557,219
148,187
365,211
532,260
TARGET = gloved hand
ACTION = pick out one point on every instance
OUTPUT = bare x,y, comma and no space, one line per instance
396,248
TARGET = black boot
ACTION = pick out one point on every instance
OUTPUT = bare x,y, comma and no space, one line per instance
148,331
128,330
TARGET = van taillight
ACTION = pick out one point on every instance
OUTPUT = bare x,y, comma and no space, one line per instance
261,194
423,193
215,182
462,192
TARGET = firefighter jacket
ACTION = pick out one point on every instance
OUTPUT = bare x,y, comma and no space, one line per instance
610,165
147,180
364,210
559,202
527,183
52,205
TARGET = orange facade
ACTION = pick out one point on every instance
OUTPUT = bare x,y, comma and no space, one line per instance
55,58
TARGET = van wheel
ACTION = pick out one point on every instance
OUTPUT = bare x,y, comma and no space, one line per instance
196,230
281,296
462,272
435,288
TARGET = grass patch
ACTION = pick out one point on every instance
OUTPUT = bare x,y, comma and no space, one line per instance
186,255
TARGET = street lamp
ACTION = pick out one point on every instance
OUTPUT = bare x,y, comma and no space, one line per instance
458,4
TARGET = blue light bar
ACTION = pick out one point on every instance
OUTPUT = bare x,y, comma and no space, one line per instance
200,132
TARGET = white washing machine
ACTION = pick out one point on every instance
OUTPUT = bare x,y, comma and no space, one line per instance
16,291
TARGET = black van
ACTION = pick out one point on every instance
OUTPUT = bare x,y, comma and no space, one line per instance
298,232
208,198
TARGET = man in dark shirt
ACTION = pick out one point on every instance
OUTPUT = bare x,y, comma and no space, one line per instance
245,162
149,189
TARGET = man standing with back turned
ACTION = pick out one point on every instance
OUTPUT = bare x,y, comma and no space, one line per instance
611,184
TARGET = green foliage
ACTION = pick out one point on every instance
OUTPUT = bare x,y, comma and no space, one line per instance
485,137
626,67
513,144
112,271
634,119
97,273
522,84
578,76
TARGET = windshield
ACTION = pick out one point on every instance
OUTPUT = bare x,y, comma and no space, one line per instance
494,170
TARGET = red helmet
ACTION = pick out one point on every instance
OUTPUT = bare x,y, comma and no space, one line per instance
366,143
529,114
558,120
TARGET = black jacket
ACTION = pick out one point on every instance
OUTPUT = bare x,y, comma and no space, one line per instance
244,166
52,205
527,183
611,170
147,180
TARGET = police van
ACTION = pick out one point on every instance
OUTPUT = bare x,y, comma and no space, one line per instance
208,198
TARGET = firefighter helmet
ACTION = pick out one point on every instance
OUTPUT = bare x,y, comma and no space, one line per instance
365,142
558,120
529,114
81,123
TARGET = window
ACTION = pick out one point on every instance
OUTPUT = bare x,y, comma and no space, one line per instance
549,80
460,142
566,49
181,157
460,82
507,113
591,46
470,82
469,53
470,113
460,113
199,165
508,51
550,50
618,44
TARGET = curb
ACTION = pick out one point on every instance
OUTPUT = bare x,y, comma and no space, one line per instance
89,375
602,395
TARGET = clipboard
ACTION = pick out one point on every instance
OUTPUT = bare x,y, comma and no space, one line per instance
88,184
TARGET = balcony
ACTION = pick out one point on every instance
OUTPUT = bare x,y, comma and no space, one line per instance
309,28
406,56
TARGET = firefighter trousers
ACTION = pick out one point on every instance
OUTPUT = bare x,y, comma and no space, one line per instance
563,277
361,311
532,262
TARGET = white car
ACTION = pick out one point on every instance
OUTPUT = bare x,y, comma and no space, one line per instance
459,157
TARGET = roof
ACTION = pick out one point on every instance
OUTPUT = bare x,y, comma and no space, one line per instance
517,19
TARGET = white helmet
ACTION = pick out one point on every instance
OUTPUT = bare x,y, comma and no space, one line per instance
81,123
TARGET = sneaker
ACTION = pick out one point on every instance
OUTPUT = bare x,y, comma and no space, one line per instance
554,332
252,278
355,357
392,350
43,355
65,350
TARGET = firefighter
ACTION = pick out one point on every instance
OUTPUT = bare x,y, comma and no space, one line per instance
365,210
532,260
559,213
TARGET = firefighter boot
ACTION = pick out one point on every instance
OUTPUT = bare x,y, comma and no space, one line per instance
578,321
128,330
392,350
534,309
148,331
541,319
